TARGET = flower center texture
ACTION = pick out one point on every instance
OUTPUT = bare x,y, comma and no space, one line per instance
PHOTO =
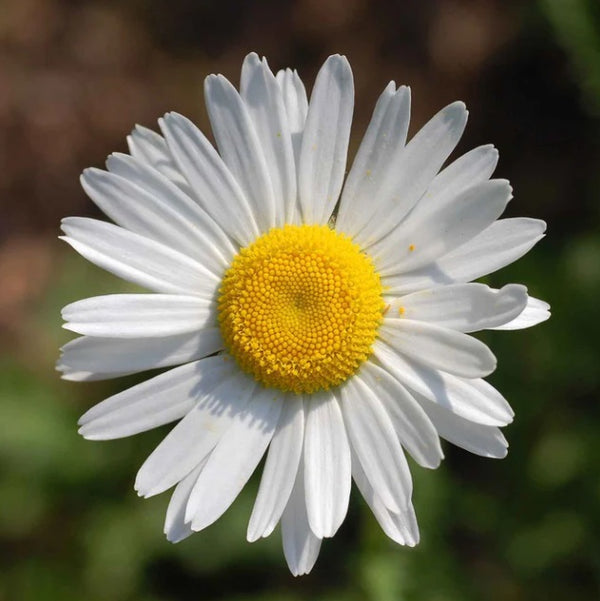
299,308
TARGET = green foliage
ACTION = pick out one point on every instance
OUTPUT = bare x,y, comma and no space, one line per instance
577,26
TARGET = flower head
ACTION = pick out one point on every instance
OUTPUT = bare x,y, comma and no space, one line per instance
334,340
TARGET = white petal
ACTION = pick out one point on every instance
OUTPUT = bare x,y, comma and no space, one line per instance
487,441
155,402
433,229
498,245
113,357
401,526
471,168
139,315
375,444
377,157
535,312
440,348
167,201
300,546
235,458
418,164
195,436
474,400
138,259
327,470
413,428
325,140
156,218
281,467
462,307
176,528
215,188
149,147
296,106
264,101
88,376
240,148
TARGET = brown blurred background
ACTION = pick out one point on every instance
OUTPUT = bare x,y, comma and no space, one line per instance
75,76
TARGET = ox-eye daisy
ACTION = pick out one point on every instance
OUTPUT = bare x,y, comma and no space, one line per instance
333,340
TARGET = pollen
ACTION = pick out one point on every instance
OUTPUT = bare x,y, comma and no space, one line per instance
300,307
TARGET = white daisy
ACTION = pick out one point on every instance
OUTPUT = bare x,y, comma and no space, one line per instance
333,346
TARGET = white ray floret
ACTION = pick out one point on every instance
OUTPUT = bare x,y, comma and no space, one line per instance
279,474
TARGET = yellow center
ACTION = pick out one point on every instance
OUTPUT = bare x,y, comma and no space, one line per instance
299,308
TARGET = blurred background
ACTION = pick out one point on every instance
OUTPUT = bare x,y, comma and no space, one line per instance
76,75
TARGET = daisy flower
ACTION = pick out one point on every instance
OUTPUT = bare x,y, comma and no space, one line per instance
319,321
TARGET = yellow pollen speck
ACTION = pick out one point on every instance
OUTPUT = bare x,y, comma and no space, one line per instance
300,307
411,247
401,310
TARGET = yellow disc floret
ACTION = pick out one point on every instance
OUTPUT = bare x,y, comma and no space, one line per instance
299,308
